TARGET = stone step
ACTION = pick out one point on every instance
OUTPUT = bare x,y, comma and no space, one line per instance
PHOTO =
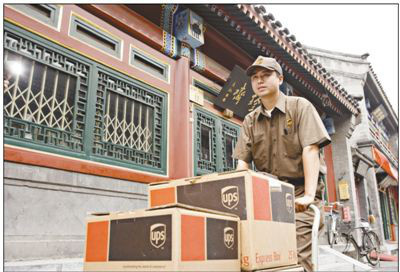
45,265
386,266
291,268
330,259
339,267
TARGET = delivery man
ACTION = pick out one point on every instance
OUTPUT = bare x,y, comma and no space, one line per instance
283,137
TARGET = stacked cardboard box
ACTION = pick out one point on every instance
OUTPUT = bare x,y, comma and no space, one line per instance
264,204
169,239
193,225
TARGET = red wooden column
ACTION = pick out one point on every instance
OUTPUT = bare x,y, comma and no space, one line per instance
179,134
330,176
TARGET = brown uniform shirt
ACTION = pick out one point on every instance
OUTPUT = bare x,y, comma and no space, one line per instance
275,143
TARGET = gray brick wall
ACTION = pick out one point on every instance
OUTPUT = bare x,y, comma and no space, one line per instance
342,162
45,209
373,194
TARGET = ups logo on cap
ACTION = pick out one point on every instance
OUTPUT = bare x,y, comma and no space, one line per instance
230,196
229,237
258,61
158,235
289,202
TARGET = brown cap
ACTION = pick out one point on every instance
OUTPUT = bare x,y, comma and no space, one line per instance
264,62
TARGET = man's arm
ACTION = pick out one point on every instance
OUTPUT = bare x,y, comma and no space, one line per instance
242,165
310,158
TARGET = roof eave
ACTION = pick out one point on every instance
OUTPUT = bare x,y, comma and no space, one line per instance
247,21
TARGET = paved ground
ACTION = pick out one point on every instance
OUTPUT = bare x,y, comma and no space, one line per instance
77,265
387,266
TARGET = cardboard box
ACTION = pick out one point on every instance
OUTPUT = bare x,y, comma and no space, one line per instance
169,239
264,204
290,268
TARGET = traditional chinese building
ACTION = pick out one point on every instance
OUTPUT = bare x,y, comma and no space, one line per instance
100,100
374,144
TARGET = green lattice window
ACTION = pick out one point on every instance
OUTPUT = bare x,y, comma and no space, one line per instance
230,134
214,142
129,121
205,143
45,94
59,102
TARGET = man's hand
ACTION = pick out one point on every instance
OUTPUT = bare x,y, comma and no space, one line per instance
242,165
301,204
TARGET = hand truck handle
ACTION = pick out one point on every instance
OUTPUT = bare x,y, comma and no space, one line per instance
314,237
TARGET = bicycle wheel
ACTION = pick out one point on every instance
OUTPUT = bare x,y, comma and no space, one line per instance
330,231
371,244
340,239
351,249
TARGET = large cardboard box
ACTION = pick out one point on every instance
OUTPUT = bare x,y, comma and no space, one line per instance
264,204
169,239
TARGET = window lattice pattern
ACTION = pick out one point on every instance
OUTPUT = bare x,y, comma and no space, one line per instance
128,122
206,164
45,94
230,135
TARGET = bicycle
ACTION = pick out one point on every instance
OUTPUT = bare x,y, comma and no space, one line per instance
332,224
369,248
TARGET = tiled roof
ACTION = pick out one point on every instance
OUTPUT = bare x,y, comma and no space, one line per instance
258,32
372,72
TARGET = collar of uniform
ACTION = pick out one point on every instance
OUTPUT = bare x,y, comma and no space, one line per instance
280,105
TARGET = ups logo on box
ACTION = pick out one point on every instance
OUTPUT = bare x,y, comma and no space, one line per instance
158,235
229,237
230,196
289,202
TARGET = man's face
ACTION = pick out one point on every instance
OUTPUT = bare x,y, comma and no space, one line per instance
265,82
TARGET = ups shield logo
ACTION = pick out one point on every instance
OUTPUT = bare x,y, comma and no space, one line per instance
158,235
230,196
258,61
229,237
289,202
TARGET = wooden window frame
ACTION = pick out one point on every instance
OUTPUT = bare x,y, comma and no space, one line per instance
52,21
76,21
136,53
